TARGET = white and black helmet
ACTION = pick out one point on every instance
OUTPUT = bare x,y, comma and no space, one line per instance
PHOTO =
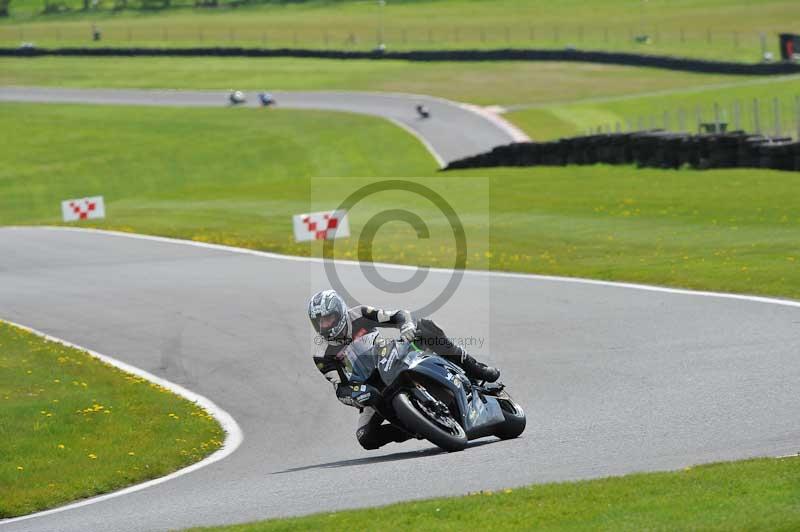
328,314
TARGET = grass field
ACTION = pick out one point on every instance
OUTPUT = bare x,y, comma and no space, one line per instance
724,29
480,83
72,426
191,172
236,177
750,495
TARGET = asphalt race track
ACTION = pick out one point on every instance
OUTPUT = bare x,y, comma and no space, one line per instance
453,131
614,379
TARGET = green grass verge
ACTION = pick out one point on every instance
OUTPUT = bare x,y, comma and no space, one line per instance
191,173
748,495
236,176
567,118
72,426
723,29
480,83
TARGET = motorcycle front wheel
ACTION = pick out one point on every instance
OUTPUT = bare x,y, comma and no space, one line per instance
443,431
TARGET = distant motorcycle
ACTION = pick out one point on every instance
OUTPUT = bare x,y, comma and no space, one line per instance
423,111
266,99
236,98
430,397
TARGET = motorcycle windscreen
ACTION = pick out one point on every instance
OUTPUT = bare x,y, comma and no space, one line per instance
394,358
360,358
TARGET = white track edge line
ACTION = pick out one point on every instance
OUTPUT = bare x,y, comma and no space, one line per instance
490,273
419,137
233,433
517,135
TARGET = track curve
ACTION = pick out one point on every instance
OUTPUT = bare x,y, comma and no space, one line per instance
614,378
454,130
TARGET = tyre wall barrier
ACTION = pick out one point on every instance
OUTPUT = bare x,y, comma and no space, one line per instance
652,149
511,54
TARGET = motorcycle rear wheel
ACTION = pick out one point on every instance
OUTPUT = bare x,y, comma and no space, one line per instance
418,421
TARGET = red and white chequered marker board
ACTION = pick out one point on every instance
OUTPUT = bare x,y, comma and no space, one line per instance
83,209
324,225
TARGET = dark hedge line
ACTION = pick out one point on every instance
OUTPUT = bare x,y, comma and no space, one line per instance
616,58
654,149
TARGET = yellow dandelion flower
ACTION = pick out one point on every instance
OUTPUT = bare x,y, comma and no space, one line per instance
131,453
56,380
92,456
20,468
60,445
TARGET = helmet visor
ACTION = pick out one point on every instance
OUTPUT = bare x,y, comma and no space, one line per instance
326,323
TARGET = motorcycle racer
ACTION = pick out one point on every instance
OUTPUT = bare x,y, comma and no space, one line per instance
337,326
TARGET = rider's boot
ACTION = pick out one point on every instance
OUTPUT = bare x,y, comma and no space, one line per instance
477,370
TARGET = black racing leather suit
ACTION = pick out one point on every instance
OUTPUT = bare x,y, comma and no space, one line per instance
361,320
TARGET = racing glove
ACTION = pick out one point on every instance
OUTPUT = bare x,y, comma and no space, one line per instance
408,332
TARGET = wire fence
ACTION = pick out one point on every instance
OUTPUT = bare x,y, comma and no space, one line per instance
708,42
776,117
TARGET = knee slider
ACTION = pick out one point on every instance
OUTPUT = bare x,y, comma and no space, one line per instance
367,439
